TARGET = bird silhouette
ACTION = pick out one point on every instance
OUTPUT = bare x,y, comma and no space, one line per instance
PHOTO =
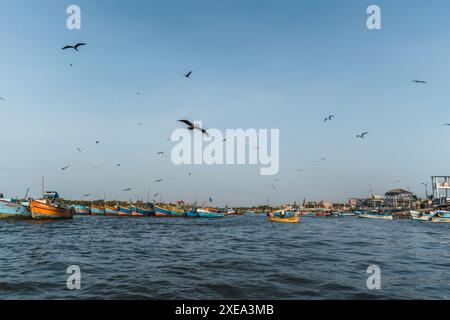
65,168
3,99
128,189
86,195
118,165
159,180
188,75
79,150
160,153
419,82
75,47
192,126
446,124
362,135
329,118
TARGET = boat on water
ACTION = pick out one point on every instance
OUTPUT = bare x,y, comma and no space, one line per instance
177,212
13,210
98,210
161,211
285,220
441,217
46,210
375,215
192,213
82,210
203,213
125,211
141,212
422,216
283,216
111,211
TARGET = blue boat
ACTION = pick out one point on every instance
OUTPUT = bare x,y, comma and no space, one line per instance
125,211
208,214
141,212
162,212
98,210
192,213
82,210
15,210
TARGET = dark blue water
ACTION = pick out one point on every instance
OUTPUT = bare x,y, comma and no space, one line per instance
233,258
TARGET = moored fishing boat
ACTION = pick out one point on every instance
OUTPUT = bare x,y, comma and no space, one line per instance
82,210
161,211
202,213
192,213
46,210
422,216
376,215
177,212
98,210
125,211
141,212
13,210
441,217
111,211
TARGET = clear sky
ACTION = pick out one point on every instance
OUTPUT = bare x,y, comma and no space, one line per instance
257,64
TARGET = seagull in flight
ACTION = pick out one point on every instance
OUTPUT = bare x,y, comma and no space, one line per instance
362,135
160,153
192,127
156,194
419,82
75,47
188,75
159,180
329,118
65,168
79,150
126,190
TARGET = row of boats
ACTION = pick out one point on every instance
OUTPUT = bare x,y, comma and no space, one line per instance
49,208
437,216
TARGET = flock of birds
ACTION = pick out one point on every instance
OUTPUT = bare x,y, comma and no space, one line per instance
192,126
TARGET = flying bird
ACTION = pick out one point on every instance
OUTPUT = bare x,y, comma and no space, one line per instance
192,126
79,150
3,99
159,180
156,194
97,142
329,118
126,190
65,168
75,47
118,165
419,82
188,75
446,124
362,135
86,195
160,153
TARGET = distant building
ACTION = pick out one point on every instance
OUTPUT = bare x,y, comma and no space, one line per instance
399,198
441,190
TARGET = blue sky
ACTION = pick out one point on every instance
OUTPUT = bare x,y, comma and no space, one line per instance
257,64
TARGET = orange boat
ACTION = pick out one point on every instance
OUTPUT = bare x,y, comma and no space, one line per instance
44,210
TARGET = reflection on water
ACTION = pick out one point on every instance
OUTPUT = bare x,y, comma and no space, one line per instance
233,258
